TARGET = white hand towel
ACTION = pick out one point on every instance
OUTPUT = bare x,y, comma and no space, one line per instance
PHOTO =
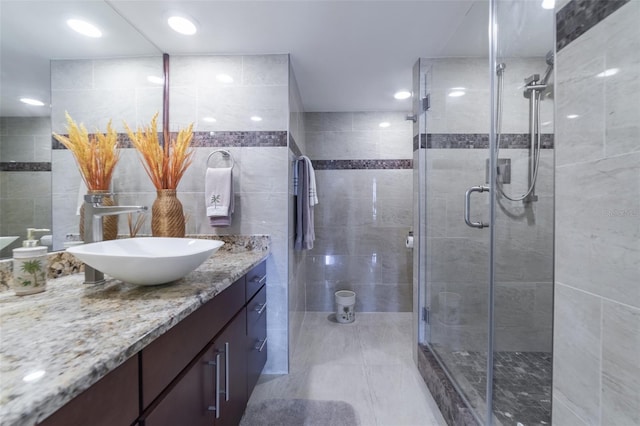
313,193
218,192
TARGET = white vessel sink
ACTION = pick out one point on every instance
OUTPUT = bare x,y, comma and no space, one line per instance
146,261
5,241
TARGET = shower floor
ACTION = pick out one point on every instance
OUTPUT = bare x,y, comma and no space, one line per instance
522,383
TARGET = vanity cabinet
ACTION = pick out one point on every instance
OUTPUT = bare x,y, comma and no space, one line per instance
213,387
200,372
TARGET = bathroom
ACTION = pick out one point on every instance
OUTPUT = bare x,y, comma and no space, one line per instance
556,276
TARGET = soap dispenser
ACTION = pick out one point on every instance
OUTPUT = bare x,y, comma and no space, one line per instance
30,265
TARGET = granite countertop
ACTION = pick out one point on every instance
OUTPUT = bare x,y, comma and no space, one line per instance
77,333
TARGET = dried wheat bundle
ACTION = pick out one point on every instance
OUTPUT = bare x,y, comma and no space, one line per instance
96,155
164,167
134,228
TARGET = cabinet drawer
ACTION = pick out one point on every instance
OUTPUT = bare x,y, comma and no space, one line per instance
256,337
95,406
256,278
165,357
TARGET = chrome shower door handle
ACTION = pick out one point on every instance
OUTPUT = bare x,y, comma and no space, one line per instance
467,206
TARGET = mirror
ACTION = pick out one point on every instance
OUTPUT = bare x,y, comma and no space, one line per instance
28,165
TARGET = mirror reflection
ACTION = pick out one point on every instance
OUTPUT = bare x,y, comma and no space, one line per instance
81,82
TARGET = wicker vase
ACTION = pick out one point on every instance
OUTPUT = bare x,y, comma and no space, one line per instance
109,223
167,217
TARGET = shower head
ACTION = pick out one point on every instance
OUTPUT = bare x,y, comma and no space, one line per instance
550,58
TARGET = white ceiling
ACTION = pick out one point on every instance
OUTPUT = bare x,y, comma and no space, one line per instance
346,55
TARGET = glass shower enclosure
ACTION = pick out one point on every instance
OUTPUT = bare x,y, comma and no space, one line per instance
485,169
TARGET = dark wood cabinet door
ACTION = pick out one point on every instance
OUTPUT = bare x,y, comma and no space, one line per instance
112,401
256,278
233,381
191,400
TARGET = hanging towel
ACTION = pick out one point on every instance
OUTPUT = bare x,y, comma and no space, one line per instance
305,200
218,192
313,193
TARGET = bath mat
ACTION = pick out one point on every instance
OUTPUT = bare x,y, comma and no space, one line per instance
299,412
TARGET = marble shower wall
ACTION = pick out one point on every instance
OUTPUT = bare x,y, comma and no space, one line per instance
260,87
457,256
365,210
597,267
25,177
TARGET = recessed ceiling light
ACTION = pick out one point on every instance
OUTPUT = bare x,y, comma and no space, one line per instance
548,4
209,119
456,92
30,101
84,28
182,25
155,79
224,78
609,72
572,116
256,118
384,124
546,123
403,94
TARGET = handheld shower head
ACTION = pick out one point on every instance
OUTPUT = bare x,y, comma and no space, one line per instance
550,58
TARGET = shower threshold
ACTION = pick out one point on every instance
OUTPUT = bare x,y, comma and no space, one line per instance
522,383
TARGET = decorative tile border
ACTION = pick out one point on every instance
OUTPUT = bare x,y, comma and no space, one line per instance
261,139
123,141
479,141
23,166
257,139
579,16
451,405
420,141
361,164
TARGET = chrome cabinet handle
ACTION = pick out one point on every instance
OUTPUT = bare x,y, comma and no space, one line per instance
216,407
467,206
226,371
260,281
260,345
260,308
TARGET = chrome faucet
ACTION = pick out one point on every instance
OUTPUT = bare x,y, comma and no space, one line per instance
93,213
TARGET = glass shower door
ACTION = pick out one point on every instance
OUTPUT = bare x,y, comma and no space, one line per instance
486,166
456,254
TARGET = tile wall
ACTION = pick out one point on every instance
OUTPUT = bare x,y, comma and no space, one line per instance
597,266
365,210
297,259
93,90
25,177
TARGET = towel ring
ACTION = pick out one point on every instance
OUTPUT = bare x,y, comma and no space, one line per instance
225,154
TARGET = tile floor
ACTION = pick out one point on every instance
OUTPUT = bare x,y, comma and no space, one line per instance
367,364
